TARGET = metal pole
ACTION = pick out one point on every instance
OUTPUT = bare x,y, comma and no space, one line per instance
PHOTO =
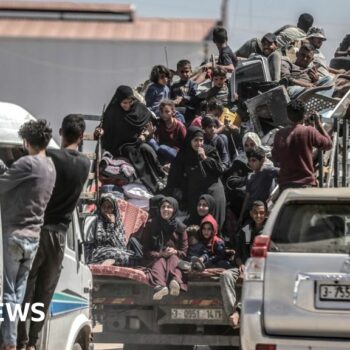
345,151
320,167
336,154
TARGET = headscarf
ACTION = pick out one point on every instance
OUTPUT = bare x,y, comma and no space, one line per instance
164,230
253,136
122,126
214,239
192,132
108,233
210,201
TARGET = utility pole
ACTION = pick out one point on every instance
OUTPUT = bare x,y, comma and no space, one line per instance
224,13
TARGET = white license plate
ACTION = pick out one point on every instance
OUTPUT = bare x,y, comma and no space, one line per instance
196,314
334,292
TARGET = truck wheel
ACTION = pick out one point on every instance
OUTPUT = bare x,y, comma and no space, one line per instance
77,346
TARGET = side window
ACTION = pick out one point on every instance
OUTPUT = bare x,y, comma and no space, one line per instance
71,237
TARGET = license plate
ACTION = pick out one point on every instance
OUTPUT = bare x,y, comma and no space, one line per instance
334,292
196,314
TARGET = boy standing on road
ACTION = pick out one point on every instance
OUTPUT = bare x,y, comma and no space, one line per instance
72,171
25,190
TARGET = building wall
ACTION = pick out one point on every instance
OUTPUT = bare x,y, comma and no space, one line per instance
52,78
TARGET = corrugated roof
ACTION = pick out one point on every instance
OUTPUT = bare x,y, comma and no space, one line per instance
141,29
64,20
64,6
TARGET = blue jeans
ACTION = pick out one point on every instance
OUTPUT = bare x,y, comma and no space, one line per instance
166,154
295,91
19,253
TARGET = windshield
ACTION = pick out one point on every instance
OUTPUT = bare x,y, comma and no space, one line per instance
313,228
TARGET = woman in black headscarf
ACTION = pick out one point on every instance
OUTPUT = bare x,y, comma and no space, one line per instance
165,243
196,171
205,205
124,123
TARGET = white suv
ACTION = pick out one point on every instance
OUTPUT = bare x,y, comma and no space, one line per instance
296,292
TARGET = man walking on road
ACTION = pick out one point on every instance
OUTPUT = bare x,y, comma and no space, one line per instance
72,171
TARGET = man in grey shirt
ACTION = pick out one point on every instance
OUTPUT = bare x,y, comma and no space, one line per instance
25,189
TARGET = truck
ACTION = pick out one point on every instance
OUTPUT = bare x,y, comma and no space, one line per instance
123,305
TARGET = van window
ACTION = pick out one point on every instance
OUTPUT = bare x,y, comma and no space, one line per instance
313,228
71,237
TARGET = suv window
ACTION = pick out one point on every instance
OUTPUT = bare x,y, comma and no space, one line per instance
313,227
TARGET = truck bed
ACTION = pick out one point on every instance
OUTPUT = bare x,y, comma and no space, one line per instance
123,304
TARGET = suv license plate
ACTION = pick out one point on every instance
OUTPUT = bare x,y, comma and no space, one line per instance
334,292
196,314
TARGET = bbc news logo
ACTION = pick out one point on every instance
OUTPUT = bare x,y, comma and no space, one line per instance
15,312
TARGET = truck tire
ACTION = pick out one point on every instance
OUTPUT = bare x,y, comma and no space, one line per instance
77,346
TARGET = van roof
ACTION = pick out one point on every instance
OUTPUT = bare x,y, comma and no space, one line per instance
12,117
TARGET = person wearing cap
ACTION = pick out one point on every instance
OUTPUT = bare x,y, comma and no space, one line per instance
316,37
274,56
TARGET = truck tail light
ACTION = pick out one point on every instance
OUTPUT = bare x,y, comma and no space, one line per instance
260,246
265,347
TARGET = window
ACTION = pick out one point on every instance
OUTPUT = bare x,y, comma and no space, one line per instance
313,227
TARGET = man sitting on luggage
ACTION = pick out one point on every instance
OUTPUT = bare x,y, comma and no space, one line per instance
303,74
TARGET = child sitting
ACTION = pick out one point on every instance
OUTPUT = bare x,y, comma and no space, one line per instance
183,92
208,234
212,138
262,181
224,115
244,240
159,90
170,134
219,90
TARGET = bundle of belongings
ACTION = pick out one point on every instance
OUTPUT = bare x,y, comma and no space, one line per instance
116,171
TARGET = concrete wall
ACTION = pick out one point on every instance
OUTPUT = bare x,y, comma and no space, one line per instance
52,78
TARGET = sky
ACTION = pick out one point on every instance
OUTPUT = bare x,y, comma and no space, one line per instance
252,18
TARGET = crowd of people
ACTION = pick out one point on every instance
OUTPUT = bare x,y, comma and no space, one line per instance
208,176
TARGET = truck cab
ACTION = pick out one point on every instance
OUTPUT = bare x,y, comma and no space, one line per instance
68,324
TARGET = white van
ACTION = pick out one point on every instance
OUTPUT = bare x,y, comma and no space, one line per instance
68,324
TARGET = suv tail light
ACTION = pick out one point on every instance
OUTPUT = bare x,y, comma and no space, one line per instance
255,267
265,347
260,246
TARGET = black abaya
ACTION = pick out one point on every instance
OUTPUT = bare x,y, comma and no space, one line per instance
194,176
121,131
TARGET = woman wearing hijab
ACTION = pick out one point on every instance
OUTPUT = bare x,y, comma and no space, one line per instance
106,243
251,140
197,170
125,124
165,243
205,205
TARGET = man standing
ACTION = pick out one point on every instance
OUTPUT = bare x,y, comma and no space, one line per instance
293,146
72,171
25,190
